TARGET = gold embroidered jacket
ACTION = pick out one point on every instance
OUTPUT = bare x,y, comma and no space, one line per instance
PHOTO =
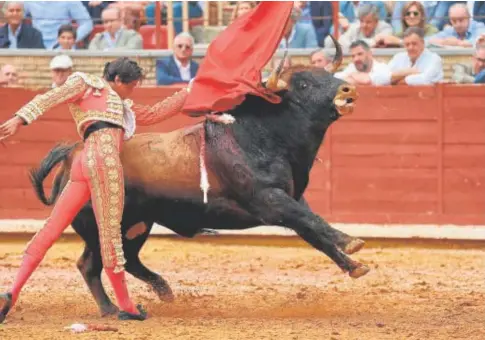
90,98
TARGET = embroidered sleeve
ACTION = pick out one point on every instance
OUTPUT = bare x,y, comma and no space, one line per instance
167,108
70,91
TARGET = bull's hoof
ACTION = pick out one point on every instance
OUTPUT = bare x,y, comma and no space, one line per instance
205,231
109,310
5,305
124,316
359,271
164,292
354,246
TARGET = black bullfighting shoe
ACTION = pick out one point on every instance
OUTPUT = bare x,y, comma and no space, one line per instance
129,316
5,305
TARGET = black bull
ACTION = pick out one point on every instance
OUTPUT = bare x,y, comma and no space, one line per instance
258,170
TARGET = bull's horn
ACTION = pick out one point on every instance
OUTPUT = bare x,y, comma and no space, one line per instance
337,60
273,82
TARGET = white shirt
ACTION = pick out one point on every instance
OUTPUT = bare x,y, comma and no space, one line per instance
380,74
428,63
184,70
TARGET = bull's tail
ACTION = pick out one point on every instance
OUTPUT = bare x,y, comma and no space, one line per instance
59,153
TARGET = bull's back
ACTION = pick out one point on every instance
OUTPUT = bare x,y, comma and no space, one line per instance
165,164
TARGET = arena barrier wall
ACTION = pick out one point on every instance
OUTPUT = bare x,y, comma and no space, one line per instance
410,162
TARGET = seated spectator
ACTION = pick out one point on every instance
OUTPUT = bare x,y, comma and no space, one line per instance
463,31
348,11
321,13
16,34
463,74
418,65
114,35
364,69
48,17
412,15
436,13
9,76
132,13
61,69
66,38
179,68
319,58
298,35
242,7
368,27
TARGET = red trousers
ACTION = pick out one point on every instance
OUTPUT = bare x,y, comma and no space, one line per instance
96,174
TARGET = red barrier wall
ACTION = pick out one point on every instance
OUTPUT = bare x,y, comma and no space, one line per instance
407,155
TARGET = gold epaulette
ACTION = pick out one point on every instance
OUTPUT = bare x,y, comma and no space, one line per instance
93,81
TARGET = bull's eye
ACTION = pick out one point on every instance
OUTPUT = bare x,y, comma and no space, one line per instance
303,86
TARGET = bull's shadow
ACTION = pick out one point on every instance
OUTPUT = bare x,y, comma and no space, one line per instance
258,168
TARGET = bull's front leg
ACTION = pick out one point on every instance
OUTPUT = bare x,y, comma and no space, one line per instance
347,243
275,206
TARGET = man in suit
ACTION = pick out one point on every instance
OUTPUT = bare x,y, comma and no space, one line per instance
114,35
16,34
179,68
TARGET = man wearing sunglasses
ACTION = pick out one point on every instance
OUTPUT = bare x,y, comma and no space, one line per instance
178,68
474,73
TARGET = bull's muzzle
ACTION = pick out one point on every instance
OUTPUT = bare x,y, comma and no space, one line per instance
345,98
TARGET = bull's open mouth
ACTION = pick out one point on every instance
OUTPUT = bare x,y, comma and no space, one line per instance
345,99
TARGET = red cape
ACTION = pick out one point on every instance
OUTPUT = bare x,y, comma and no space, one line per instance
234,60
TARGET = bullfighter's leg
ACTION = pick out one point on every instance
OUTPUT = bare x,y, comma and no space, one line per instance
74,195
347,243
90,265
104,171
274,206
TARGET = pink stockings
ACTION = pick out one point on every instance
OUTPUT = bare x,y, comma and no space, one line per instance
97,174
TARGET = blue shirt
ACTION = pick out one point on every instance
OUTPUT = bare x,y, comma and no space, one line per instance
474,30
428,63
111,42
48,16
13,37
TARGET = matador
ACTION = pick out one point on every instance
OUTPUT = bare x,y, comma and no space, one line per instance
104,117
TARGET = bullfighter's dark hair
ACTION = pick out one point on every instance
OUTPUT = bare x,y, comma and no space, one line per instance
414,30
127,70
67,28
361,43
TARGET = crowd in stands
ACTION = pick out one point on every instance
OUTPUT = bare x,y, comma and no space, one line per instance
363,26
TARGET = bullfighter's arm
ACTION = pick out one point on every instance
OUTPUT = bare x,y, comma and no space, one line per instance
70,91
167,108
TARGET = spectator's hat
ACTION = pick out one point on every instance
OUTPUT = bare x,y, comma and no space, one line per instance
61,62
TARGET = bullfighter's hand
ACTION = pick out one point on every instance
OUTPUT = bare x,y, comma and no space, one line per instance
10,127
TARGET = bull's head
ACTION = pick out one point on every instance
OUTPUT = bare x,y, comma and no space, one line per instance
344,94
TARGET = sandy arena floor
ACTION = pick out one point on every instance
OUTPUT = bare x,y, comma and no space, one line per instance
261,292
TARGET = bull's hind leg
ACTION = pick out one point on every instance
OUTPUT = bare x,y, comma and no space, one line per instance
274,206
347,243
137,269
90,265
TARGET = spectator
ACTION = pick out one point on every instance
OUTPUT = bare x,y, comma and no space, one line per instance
132,13
16,34
242,7
319,58
298,35
61,69
418,65
66,38
368,27
321,13
412,15
48,16
348,12
305,11
464,31
463,74
179,68
364,69
9,76
114,35
436,13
